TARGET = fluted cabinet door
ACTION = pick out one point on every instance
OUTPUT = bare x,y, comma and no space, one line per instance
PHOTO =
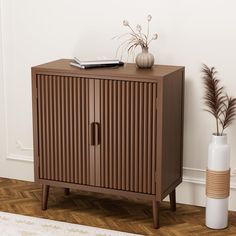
97,132
126,154
65,108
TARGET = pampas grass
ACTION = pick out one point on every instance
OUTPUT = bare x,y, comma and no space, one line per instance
217,101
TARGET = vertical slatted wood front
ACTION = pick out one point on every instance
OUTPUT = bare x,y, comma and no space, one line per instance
64,121
124,159
128,119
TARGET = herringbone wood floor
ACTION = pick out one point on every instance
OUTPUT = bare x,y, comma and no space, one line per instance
105,211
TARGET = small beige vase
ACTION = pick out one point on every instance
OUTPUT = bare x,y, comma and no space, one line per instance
144,59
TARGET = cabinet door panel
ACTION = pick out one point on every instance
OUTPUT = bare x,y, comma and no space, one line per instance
63,128
127,153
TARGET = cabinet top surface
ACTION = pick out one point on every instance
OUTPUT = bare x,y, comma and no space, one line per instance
129,70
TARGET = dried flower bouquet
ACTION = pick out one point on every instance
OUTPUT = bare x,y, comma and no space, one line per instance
136,37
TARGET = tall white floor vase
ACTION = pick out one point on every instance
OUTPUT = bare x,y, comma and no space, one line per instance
218,183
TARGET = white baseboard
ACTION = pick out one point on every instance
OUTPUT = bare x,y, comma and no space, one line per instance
194,194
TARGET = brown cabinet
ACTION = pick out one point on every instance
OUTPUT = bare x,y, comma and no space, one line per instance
116,131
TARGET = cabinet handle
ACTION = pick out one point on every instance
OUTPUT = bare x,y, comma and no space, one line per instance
95,133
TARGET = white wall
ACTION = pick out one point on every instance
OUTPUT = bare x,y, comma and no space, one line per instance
190,33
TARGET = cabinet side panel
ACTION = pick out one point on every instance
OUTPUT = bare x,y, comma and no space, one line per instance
35,123
172,132
154,137
39,128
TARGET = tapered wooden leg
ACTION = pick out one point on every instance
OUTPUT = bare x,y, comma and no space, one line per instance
45,197
172,200
66,191
155,206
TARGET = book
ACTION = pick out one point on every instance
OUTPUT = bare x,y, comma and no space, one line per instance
77,65
96,64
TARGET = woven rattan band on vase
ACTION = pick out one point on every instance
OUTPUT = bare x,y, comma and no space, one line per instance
217,184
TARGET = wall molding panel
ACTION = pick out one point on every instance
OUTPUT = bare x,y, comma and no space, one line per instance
21,146
16,157
197,176
17,164
23,153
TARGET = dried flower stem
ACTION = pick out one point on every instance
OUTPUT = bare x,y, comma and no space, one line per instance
147,33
